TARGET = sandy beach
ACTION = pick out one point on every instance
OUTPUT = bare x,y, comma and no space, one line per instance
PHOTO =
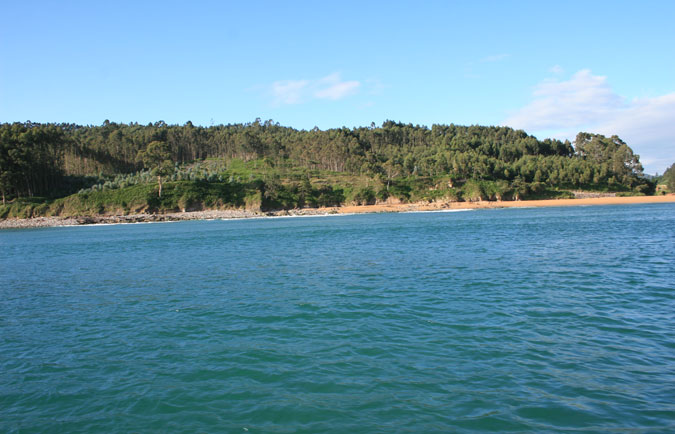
436,206
348,209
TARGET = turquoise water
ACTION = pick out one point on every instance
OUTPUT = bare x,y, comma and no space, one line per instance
500,320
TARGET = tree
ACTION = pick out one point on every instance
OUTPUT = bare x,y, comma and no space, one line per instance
612,153
392,170
6,173
520,188
55,159
31,157
669,178
157,158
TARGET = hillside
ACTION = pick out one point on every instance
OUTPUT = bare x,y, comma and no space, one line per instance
65,169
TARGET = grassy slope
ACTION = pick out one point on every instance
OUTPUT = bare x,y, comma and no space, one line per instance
198,195
258,185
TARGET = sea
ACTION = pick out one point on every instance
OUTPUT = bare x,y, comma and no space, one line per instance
502,320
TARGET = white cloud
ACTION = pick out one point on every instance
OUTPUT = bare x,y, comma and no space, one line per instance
586,102
583,99
289,91
648,126
331,87
557,69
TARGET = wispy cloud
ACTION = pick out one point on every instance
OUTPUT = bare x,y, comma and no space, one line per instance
330,87
495,57
289,91
556,69
581,100
586,102
333,88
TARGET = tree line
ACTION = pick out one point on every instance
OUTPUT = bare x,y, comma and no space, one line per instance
45,159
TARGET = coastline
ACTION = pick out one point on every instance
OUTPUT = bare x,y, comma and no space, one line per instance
438,206
36,222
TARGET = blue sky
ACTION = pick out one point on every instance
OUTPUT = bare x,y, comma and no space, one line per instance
550,69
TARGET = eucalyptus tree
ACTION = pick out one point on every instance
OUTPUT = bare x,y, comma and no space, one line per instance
157,157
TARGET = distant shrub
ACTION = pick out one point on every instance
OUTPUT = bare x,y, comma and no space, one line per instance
364,196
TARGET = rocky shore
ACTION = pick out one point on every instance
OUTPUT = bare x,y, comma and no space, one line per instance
37,222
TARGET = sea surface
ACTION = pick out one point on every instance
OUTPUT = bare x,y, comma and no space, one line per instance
522,320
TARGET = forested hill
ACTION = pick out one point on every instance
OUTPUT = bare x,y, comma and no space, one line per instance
58,159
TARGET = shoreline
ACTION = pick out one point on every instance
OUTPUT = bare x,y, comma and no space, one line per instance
37,222
439,206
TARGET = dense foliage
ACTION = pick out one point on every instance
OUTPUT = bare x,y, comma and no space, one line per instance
31,158
486,162
668,178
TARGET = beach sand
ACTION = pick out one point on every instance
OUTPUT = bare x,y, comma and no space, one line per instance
436,206
348,209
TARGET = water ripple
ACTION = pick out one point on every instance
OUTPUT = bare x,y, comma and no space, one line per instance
526,320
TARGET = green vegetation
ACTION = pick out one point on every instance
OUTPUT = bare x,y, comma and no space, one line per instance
157,157
65,169
668,178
